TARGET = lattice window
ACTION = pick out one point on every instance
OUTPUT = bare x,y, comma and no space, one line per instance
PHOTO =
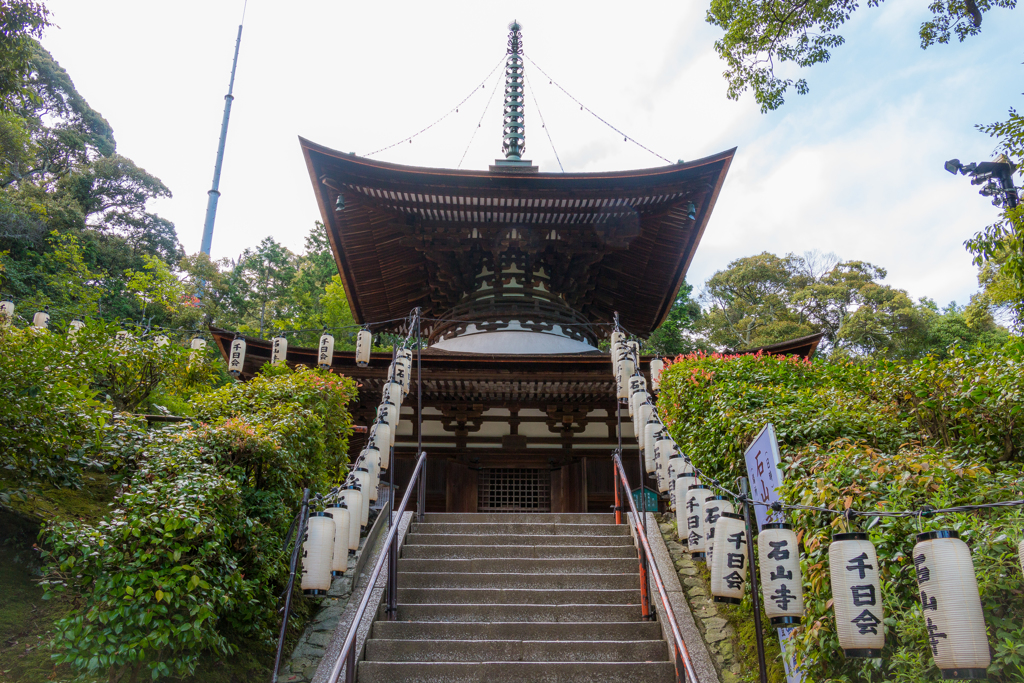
514,490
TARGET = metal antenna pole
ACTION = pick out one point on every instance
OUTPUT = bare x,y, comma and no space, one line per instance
214,193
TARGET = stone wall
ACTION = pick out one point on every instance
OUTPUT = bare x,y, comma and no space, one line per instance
718,633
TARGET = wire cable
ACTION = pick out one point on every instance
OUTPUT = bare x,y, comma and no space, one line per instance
543,125
480,123
481,86
593,113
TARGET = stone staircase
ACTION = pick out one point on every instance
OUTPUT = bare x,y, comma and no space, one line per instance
517,597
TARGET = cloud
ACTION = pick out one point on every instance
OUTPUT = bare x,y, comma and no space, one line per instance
855,167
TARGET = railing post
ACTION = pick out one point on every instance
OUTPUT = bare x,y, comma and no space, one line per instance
350,665
391,610
291,582
617,485
755,591
421,494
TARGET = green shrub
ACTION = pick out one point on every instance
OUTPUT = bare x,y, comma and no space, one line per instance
192,560
875,436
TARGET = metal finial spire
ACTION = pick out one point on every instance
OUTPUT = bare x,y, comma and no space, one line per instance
514,143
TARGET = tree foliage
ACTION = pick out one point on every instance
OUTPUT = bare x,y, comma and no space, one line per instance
764,35
766,299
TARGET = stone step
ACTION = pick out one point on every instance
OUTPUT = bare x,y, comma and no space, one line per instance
516,651
524,613
517,566
516,540
456,552
519,528
439,579
514,596
521,672
461,630
530,517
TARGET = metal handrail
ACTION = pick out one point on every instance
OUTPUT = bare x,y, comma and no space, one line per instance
682,656
347,656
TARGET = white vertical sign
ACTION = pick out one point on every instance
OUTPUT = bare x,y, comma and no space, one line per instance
762,458
763,471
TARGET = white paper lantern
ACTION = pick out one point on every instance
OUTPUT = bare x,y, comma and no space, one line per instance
711,511
388,412
664,451
640,419
677,488
317,554
236,360
617,337
74,326
856,595
683,484
325,355
692,509
381,435
352,496
6,312
651,432
405,361
372,465
633,349
197,344
161,340
638,401
339,561
364,343
41,320
393,390
623,371
397,373
668,473
362,477
951,605
637,383
729,564
279,349
674,470
782,585
657,367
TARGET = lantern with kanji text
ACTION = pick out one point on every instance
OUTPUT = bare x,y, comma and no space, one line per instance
856,595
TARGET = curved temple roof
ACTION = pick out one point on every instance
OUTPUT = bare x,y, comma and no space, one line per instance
404,236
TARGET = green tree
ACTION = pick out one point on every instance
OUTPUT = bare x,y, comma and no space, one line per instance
761,35
261,280
20,21
749,303
678,334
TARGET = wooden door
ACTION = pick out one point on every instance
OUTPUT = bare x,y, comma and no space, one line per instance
461,489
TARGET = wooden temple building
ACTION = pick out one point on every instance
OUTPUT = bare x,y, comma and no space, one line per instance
518,275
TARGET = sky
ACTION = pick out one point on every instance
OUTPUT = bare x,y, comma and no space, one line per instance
854,167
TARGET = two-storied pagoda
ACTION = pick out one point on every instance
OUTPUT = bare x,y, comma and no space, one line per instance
518,274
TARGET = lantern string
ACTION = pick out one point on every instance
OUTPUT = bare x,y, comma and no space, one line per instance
479,86
594,114
849,513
